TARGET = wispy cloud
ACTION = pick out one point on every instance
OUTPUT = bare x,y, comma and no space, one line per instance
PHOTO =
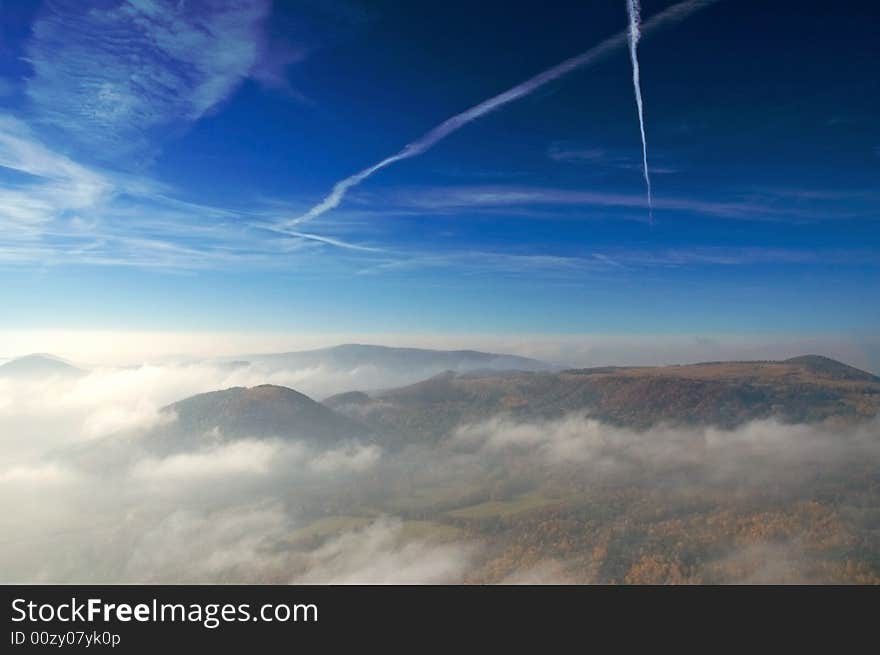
476,197
572,153
271,68
110,76
55,185
749,205
475,262
563,152
54,210
613,261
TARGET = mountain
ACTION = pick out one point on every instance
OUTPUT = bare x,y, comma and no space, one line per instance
406,364
831,368
264,411
725,394
38,366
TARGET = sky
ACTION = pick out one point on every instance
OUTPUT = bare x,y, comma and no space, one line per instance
161,162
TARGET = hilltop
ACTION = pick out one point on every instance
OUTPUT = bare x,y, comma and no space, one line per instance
725,394
38,365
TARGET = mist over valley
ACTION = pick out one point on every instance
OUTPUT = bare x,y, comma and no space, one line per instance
499,470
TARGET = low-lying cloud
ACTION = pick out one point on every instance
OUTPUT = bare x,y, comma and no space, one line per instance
581,440
85,498
379,554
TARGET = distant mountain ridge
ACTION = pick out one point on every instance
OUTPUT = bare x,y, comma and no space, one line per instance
348,356
39,365
726,394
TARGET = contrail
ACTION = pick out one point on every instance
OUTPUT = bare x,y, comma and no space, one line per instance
634,10
673,14
333,242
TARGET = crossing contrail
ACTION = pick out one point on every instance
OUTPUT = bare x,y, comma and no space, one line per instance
634,10
673,14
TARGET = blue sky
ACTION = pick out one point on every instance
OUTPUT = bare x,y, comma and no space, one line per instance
155,158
